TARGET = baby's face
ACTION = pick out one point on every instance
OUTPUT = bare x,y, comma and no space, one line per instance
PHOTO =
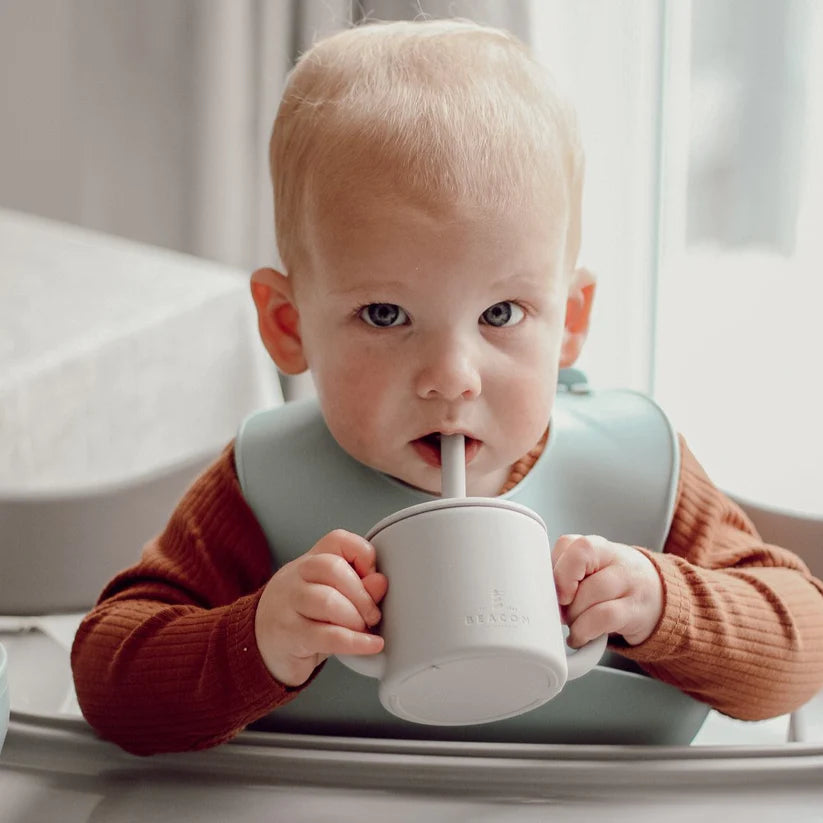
415,326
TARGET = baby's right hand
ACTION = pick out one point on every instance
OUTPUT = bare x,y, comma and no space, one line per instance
320,604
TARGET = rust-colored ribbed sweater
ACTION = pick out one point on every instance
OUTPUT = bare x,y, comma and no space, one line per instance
167,660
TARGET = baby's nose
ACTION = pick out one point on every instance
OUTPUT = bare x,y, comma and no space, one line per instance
450,373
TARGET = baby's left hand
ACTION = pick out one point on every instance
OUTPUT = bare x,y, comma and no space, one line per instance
605,588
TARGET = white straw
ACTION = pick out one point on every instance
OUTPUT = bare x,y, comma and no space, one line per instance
453,458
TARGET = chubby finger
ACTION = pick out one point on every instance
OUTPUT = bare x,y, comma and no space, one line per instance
354,549
574,558
328,639
335,572
562,544
602,618
609,583
325,604
376,585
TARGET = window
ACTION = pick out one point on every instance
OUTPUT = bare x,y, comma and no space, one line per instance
739,322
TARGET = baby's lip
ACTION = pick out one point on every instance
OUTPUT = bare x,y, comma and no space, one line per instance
428,447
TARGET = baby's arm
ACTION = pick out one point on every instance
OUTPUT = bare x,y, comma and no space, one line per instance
742,622
168,659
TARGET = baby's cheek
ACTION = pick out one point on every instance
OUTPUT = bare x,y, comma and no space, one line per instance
339,381
534,404
353,407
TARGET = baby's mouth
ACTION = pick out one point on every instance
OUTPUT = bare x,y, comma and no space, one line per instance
428,447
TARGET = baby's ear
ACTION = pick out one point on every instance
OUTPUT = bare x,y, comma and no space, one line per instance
278,320
578,312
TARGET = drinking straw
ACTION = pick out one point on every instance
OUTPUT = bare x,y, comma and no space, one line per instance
453,459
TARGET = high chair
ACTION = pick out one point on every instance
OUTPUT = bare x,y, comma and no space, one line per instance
55,560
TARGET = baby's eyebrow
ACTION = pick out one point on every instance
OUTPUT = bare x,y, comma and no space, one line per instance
370,288
519,278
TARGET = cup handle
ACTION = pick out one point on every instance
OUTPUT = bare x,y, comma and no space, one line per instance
584,659
371,665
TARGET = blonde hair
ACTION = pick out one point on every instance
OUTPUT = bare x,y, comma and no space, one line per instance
442,112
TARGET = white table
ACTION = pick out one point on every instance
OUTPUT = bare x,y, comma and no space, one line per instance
116,357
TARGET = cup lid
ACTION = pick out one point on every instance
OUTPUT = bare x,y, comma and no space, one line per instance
453,503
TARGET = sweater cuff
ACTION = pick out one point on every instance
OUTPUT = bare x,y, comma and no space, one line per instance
261,691
667,637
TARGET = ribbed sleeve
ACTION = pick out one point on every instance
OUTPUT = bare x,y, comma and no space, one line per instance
742,626
167,660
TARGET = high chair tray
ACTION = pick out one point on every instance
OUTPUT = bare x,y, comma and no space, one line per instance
54,767
58,769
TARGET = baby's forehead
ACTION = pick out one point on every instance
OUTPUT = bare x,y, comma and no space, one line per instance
356,190
369,234
366,231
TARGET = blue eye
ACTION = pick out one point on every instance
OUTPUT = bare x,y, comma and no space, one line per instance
383,315
502,314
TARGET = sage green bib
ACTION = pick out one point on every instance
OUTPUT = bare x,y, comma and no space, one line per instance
610,467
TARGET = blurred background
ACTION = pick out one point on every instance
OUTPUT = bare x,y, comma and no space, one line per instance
702,123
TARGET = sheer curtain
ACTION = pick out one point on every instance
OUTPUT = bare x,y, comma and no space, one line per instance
150,120
739,334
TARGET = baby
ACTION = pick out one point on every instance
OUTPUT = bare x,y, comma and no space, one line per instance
427,186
